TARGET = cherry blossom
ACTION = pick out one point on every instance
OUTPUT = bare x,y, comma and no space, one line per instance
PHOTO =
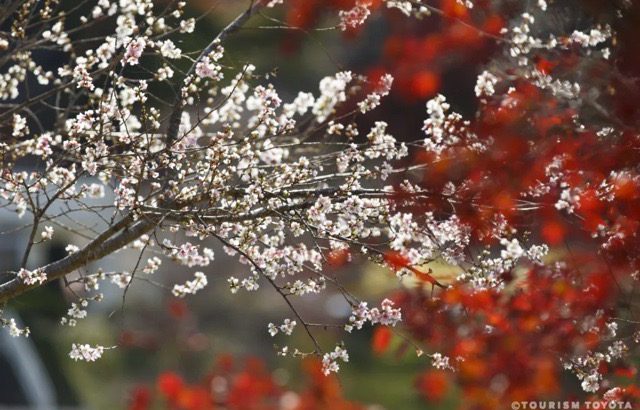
85,352
292,186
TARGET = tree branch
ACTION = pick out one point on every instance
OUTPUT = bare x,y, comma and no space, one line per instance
105,244
176,114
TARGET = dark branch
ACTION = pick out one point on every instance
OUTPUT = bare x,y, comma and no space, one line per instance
112,239
235,25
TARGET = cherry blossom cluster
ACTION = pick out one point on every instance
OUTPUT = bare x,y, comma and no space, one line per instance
386,315
356,16
286,327
233,161
85,352
34,277
191,286
12,327
75,312
330,360
445,129
290,187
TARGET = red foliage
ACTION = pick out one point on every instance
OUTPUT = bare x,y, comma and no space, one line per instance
417,55
140,398
251,387
381,339
323,392
248,386
397,261
177,308
507,345
170,385
434,385
338,257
